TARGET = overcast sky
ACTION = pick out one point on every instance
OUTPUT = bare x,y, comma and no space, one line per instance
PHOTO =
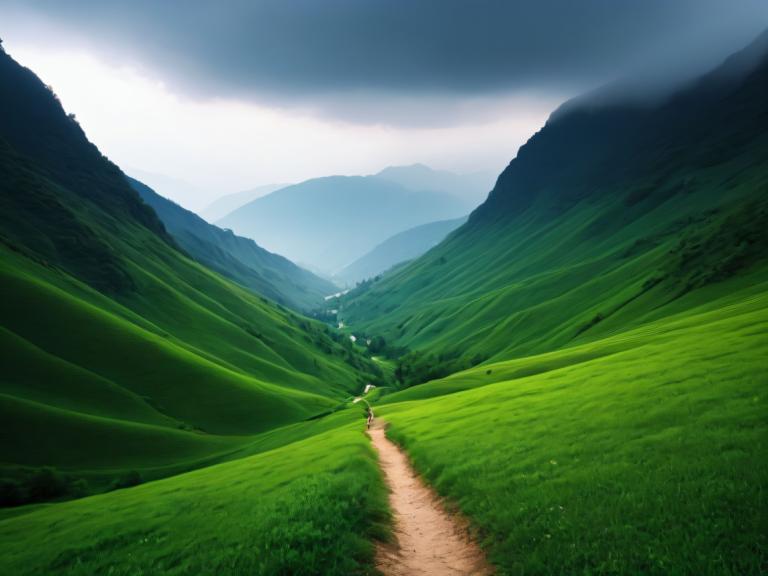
228,95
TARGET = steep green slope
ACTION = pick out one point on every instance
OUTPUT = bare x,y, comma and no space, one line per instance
643,453
604,220
238,258
308,507
401,247
614,289
121,351
327,223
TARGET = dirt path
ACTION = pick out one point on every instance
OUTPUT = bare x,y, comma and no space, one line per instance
430,542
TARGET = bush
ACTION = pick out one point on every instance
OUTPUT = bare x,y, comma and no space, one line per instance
46,484
40,485
127,480
11,493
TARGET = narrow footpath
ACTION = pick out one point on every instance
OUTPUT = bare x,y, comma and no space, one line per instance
430,542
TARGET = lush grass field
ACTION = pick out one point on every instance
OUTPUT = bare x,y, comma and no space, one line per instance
308,507
647,458
120,394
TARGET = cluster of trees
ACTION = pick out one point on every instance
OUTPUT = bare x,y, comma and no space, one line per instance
40,485
31,485
418,367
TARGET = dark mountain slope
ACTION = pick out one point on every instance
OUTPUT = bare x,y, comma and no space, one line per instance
611,215
119,349
327,223
238,258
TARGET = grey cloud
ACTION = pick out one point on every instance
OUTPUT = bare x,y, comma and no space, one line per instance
310,52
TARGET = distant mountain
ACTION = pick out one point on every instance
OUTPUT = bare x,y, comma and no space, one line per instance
401,247
472,188
327,223
238,258
180,191
231,202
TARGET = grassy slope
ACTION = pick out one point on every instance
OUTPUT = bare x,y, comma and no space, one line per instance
645,206
617,289
643,453
308,507
119,350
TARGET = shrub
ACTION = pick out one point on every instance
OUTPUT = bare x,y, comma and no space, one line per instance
127,480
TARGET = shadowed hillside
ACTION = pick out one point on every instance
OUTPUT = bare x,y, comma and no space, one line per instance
610,216
120,351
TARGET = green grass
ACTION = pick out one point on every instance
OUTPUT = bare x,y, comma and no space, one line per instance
578,242
648,456
120,352
308,507
607,324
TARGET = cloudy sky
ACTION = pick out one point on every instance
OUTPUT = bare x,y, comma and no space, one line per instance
231,94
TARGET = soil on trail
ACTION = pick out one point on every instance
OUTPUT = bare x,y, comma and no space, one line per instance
429,540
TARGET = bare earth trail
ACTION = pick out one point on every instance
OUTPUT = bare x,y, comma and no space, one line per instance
430,542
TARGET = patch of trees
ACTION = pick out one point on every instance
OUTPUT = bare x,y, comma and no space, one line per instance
40,485
33,485
418,367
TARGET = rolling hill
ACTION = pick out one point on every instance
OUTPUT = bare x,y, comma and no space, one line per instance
327,223
121,352
238,258
399,248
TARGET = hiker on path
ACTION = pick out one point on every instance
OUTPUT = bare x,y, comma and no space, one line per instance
370,417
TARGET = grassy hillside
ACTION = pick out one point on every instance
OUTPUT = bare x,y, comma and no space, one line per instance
593,340
304,508
603,221
238,258
643,453
121,352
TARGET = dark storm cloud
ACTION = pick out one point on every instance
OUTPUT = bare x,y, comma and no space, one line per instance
311,51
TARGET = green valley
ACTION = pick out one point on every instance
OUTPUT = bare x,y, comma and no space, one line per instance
576,373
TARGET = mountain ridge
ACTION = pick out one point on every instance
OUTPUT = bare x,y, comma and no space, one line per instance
398,249
601,216
238,258
326,223
122,352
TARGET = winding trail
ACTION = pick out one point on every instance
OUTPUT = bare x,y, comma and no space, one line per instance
430,542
